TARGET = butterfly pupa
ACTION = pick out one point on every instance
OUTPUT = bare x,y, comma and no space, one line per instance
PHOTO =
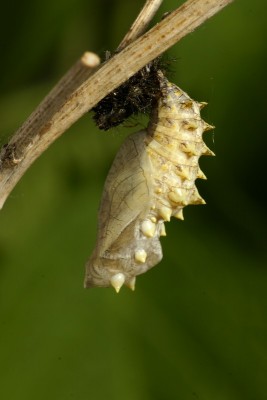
152,178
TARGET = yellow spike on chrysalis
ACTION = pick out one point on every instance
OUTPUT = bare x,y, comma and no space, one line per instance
140,255
162,230
196,198
131,283
117,281
165,213
201,175
179,215
202,104
148,228
208,127
206,151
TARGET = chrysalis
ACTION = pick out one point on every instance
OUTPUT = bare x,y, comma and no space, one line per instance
151,179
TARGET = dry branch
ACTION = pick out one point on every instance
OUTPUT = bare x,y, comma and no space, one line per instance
80,89
139,26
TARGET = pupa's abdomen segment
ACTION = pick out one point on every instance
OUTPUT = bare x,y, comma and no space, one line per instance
151,179
126,244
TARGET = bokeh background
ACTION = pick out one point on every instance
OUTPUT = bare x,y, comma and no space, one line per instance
195,328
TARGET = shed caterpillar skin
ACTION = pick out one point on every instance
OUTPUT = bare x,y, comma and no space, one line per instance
152,178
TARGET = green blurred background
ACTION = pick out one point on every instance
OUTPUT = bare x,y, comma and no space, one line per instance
195,328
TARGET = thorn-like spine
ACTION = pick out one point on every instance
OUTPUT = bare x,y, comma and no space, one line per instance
207,127
179,215
131,283
117,281
201,175
165,213
202,104
140,256
196,198
206,151
162,230
178,197
148,228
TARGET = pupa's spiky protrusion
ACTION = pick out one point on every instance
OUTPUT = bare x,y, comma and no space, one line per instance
117,281
201,175
165,213
131,283
202,104
162,230
208,127
179,215
148,228
140,255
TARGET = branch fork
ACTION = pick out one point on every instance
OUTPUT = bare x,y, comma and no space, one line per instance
87,82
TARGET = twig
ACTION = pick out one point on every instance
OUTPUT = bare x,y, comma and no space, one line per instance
64,106
31,139
138,27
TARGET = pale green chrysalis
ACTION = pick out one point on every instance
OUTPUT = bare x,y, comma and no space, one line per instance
151,179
